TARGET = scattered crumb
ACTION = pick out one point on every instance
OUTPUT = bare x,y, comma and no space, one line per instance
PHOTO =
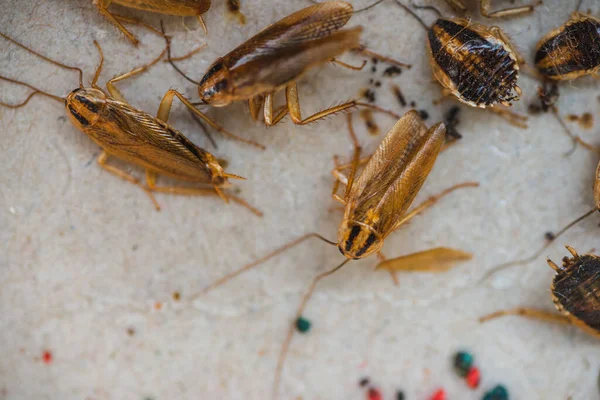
398,93
586,120
372,126
392,71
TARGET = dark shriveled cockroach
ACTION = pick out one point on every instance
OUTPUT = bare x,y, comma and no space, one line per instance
376,204
184,8
279,55
135,136
574,290
566,53
485,8
555,236
474,63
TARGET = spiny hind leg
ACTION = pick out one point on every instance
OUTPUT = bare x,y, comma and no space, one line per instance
293,105
548,316
164,110
185,191
485,7
102,6
102,161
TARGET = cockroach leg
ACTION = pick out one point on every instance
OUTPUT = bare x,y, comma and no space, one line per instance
102,6
271,117
486,5
165,108
102,161
110,85
457,5
543,315
293,103
513,118
431,201
255,104
370,53
185,191
202,24
288,339
188,55
352,67
134,21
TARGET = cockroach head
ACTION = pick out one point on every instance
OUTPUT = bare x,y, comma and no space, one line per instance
357,240
215,88
84,106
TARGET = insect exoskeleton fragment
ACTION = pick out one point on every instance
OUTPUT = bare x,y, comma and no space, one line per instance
574,289
376,204
183,8
280,54
135,136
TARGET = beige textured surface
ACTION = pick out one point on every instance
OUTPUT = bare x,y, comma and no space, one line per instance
84,256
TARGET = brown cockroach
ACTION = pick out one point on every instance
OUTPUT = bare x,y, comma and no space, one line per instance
184,8
566,53
137,137
278,56
552,238
474,63
376,204
485,8
574,293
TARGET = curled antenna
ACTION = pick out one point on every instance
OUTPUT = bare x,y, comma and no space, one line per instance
368,7
529,259
46,58
411,12
168,40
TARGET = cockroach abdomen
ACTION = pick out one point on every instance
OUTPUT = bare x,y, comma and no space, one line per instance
480,71
568,52
576,287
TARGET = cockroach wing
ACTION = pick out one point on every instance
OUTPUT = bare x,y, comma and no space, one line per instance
138,137
310,23
268,69
438,259
390,181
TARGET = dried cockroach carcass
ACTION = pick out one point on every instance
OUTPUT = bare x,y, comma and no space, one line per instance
574,293
376,204
279,55
137,137
474,63
566,53
184,8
